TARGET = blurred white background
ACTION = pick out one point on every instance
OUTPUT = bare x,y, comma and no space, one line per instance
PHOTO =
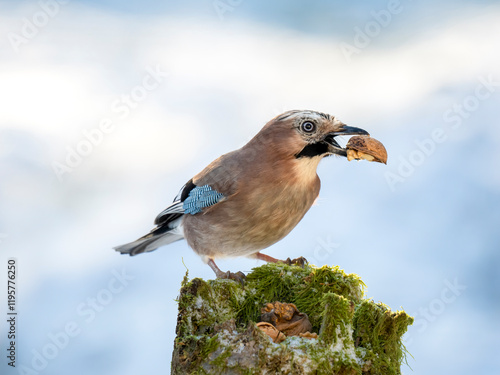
108,107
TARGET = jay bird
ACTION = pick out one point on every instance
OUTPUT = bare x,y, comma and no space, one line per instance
250,198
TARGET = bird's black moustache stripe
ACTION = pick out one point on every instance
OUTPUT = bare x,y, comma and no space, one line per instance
312,150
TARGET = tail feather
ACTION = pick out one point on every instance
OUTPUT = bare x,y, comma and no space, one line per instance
159,236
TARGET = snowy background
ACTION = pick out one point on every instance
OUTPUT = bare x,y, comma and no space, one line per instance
108,107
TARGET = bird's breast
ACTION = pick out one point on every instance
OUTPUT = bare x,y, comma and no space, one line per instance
263,210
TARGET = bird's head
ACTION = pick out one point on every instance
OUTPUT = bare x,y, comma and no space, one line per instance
307,134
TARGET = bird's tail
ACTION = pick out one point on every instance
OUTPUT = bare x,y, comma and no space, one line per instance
159,236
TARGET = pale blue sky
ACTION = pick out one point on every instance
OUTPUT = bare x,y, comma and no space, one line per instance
171,86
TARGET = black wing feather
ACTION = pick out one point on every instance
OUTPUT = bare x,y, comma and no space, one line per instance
175,210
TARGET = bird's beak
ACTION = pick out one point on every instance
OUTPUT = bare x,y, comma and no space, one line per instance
343,130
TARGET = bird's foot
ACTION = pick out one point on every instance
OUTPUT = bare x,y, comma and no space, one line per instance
238,276
301,262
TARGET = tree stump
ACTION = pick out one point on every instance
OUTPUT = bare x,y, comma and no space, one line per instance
217,332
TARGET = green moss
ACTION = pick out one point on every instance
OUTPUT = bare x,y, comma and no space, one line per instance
337,312
321,281
216,333
379,330
220,361
210,346
302,286
270,282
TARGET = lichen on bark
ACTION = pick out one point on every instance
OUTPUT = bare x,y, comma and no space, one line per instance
216,331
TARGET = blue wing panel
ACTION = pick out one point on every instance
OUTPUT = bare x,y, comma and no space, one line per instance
199,198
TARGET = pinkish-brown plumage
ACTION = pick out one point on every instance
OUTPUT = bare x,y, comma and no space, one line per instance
265,188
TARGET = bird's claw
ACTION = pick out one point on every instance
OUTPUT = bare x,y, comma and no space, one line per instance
301,262
238,276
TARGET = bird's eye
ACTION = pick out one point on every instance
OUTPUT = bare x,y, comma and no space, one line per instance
308,126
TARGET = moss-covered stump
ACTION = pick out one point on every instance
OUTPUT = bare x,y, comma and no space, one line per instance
216,331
